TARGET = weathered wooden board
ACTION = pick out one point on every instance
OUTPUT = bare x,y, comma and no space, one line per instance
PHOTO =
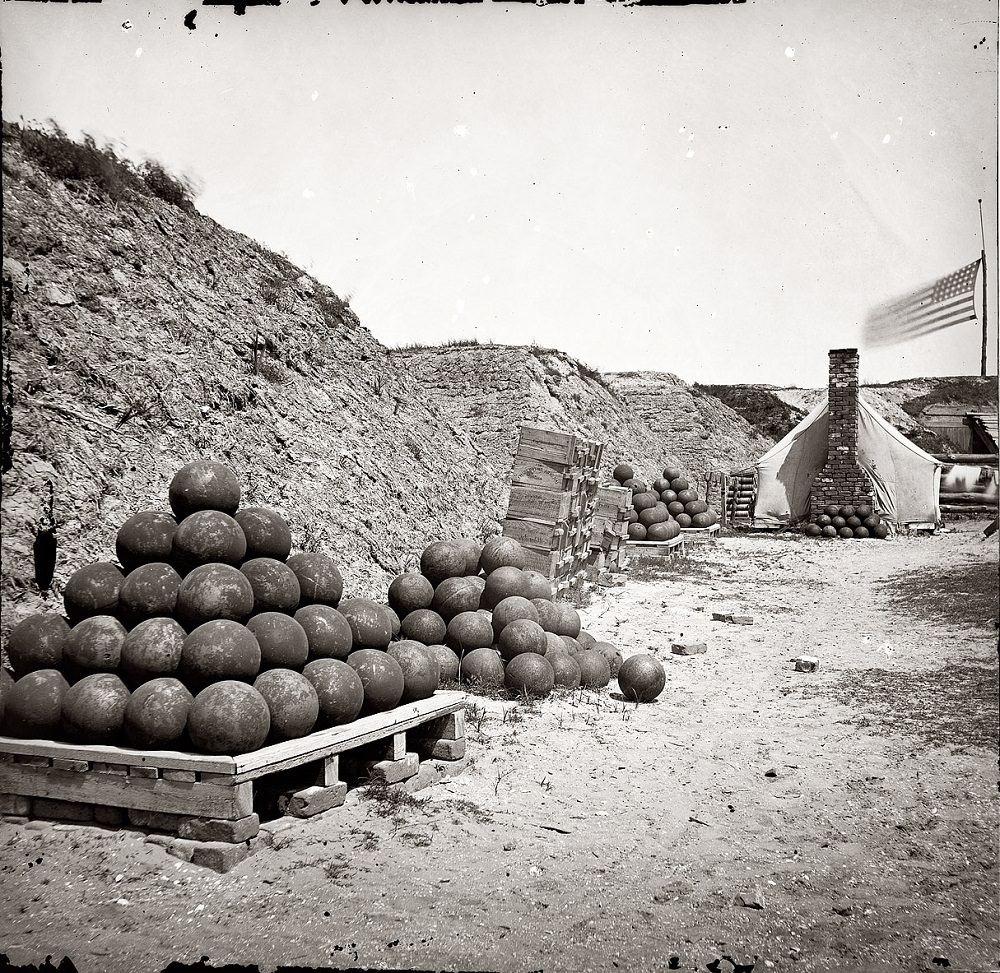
547,444
531,503
542,536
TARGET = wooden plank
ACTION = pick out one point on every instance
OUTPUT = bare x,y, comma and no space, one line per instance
532,503
546,444
141,793
531,533
107,754
322,743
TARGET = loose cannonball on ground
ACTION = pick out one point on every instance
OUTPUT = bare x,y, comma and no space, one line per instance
861,531
228,717
569,620
381,676
204,485
548,614
511,609
283,641
371,627
149,591
501,583
319,578
214,591
266,533
468,631
151,650
157,713
34,704
207,537
421,672
275,586
339,689
881,531
424,625
595,673
529,673
565,669
92,590
447,662
292,703
473,551
37,642
813,530
522,635
611,653
442,559
481,667
145,537
410,592
94,645
219,650
94,709
538,585
502,552
456,595
328,632
846,532
641,678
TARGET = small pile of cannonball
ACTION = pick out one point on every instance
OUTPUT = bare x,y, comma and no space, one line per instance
661,509
847,521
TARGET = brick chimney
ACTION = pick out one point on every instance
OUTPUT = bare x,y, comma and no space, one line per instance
842,481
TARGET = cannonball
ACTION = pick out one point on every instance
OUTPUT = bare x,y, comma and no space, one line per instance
157,713
636,532
671,473
94,645
510,609
34,704
586,639
292,702
37,642
93,709
6,685
684,520
204,485
371,627
554,645
339,690
678,484
623,472
846,532
522,635
328,632
573,646
266,533
565,670
468,631
813,530
447,662
595,672
283,641
482,668
442,559
548,614
829,531
530,674
611,653
394,621
421,672
538,585
149,591
675,508
473,551
319,578
92,590
152,650
861,531
228,717
502,552
145,537
207,537
214,591
863,510
455,595
569,620
641,678
424,625
501,583
275,586
381,676
219,650
410,592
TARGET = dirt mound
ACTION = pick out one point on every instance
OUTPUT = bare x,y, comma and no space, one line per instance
138,337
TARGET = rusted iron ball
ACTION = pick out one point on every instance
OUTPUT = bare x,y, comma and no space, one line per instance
208,537
204,485
320,580
92,590
275,585
266,532
145,537
37,642
214,591
228,717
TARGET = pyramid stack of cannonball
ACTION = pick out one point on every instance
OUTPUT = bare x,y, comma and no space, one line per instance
661,509
207,633
491,622
848,521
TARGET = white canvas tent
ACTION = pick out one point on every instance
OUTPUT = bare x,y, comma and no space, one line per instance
906,480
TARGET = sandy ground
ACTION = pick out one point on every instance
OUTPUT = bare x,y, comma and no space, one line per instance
852,811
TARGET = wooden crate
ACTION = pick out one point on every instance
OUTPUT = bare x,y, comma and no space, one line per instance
532,472
539,536
547,445
532,503
189,786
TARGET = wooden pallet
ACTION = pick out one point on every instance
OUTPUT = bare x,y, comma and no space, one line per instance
180,789
700,535
674,546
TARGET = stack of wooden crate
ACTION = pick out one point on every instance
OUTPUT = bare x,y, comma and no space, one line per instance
552,500
610,532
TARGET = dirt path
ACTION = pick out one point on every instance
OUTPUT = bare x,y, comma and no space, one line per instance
855,805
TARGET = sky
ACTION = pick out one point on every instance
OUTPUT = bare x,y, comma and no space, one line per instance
722,192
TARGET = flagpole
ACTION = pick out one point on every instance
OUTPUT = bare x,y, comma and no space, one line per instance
983,233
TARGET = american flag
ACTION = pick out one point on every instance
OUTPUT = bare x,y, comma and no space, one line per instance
947,301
